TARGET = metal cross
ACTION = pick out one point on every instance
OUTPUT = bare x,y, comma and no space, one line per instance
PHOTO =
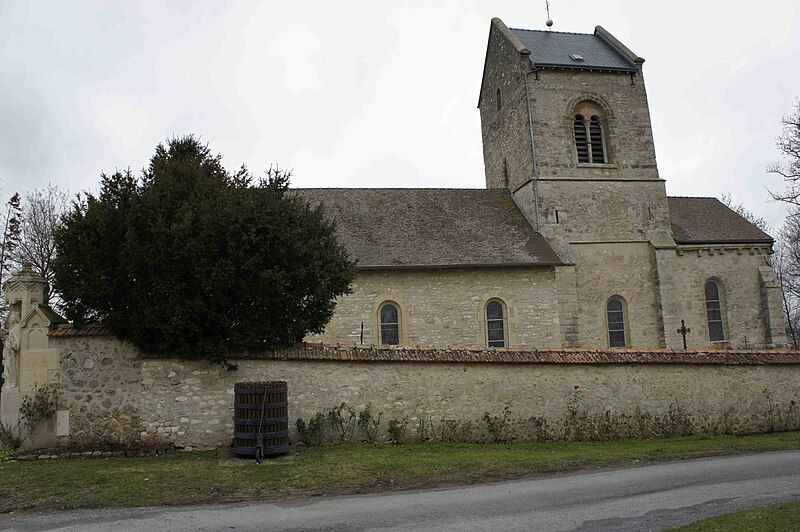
683,331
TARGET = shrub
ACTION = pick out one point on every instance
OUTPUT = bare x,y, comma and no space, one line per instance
369,424
10,440
341,424
37,408
499,427
398,429
193,261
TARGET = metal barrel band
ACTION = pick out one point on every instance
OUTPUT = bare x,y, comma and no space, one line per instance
258,391
253,435
254,422
268,451
253,406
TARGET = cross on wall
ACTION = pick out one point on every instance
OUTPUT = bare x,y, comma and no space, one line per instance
683,331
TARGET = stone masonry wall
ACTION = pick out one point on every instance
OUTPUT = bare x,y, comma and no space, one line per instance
554,95
736,270
190,403
446,307
505,131
621,200
602,210
100,384
617,269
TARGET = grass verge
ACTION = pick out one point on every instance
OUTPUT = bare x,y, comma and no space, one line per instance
777,517
191,478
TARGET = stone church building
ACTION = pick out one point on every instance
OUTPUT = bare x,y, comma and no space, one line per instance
573,242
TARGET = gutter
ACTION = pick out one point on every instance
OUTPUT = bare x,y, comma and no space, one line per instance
453,266
712,242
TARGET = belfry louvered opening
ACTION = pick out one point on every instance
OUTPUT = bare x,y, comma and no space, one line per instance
596,141
590,141
581,139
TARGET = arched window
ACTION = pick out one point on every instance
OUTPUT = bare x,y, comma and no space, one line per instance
505,173
716,332
499,99
389,317
590,141
495,323
596,140
581,139
615,314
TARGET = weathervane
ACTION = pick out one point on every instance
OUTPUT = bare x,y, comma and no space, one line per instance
549,20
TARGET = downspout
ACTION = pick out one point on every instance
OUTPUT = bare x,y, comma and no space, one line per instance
535,177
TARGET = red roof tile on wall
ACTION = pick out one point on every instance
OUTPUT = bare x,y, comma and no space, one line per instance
90,329
357,353
320,352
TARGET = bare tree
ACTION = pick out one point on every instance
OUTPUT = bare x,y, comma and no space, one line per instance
41,216
788,144
742,211
785,264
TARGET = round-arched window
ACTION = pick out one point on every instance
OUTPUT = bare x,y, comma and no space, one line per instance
495,324
590,134
716,331
615,315
389,319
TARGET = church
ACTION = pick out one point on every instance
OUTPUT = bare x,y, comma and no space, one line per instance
573,243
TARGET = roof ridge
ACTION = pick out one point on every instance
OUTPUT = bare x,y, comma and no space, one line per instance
551,31
695,197
401,188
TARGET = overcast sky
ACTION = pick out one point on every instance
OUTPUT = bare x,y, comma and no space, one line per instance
370,93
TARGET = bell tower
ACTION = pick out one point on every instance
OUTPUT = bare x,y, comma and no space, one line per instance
566,128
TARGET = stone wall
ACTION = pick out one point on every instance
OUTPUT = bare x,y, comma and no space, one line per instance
555,94
736,269
112,395
100,385
505,133
445,307
612,210
622,269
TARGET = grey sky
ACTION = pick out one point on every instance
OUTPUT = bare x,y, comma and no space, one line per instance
370,93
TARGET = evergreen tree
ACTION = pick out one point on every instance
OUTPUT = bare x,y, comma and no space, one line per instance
193,261
11,232
11,235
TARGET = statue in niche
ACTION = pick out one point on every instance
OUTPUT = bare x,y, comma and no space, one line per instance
11,339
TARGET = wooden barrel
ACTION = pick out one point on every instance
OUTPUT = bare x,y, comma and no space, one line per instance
261,408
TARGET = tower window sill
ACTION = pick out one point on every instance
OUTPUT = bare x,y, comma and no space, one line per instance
597,165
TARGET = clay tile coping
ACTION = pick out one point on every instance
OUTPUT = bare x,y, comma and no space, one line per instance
356,353
90,329
359,353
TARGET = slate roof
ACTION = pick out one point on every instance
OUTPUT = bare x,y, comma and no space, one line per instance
708,220
429,227
553,49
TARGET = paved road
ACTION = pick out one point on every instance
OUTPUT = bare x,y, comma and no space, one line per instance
643,498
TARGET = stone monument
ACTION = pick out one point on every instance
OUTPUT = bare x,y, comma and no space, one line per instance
28,359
